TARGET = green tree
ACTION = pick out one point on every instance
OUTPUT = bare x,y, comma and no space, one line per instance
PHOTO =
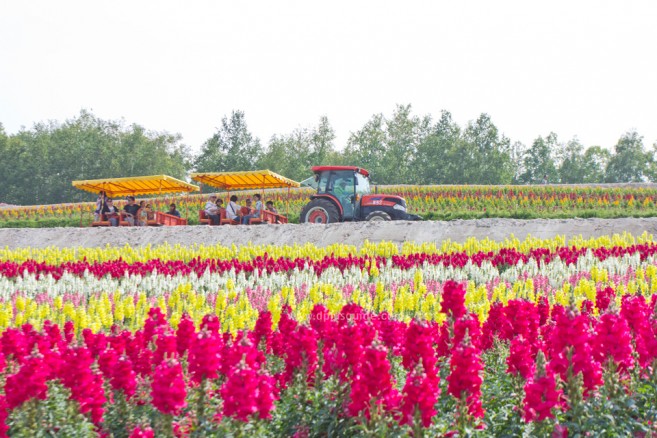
651,172
539,160
517,154
293,155
594,164
629,162
571,162
404,133
322,144
388,147
231,148
7,168
486,154
438,155
367,147
42,161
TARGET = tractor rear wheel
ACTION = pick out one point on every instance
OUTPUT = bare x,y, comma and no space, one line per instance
320,211
378,216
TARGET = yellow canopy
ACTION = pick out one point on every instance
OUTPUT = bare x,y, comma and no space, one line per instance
251,179
136,185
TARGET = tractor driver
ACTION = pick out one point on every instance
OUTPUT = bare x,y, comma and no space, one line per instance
344,191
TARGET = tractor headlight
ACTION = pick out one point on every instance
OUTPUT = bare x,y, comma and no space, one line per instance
399,207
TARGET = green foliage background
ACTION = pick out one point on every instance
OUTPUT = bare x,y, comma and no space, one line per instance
39,163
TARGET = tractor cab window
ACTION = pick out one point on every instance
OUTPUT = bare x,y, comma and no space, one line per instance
322,182
362,185
336,182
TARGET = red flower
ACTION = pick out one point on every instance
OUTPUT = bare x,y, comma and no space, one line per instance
166,347
263,330
420,393
603,298
571,345
85,384
465,377
4,413
418,347
123,377
185,334
613,340
28,382
453,299
520,361
205,356
541,394
247,392
637,313
139,432
372,381
168,388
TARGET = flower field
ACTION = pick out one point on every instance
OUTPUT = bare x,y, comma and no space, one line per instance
431,202
537,337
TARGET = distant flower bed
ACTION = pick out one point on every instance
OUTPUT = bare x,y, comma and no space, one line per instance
535,337
431,202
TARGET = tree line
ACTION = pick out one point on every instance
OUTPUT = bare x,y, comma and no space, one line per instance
38,164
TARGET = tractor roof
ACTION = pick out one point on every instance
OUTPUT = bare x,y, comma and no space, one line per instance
360,170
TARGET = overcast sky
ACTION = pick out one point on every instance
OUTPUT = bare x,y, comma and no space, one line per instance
578,68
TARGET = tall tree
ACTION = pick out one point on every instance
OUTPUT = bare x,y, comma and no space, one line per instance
322,146
438,155
404,133
517,154
486,154
43,160
594,164
630,162
231,148
571,162
367,147
388,147
539,160
293,155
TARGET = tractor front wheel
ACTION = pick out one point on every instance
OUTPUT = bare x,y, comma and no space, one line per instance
378,216
320,211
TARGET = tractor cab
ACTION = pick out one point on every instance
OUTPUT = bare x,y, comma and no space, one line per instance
346,187
343,193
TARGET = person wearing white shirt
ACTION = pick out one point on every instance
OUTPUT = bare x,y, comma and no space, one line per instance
211,210
233,210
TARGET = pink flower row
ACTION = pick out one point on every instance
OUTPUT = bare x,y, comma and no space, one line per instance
505,256
160,366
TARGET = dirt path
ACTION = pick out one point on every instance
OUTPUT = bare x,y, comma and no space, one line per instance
321,235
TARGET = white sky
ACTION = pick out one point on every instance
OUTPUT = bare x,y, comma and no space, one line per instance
578,68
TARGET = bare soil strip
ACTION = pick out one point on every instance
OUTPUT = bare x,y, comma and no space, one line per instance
322,235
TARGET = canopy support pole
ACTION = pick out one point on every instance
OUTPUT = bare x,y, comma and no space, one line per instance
262,193
287,204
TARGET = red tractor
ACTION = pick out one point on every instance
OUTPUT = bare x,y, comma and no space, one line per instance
343,194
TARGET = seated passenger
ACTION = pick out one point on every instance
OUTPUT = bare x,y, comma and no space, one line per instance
172,210
233,210
211,210
150,213
246,209
142,214
111,213
100,205
270,207
255,212
131,209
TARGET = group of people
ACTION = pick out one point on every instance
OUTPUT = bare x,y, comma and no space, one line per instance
135,214
139,214
235,212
